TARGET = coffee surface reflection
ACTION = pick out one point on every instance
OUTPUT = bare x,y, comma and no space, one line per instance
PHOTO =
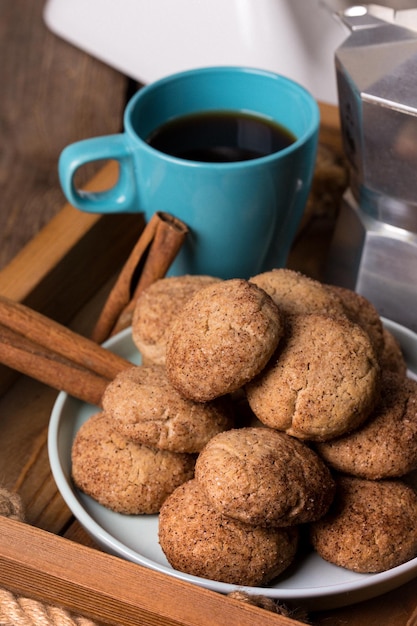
220,137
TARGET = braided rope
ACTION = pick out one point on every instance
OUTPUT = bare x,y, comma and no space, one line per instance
22,611
11,505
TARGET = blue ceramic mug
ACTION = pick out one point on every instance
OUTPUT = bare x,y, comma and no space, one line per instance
242,215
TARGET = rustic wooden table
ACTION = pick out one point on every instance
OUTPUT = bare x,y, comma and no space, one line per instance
52,94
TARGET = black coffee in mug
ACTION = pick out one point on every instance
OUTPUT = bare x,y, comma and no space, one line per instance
220,137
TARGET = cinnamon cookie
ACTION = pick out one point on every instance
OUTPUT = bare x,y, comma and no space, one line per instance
123,476
371,526
322,382
197,540
392,357
262,477
295,293
386,445
145,408
155,309
360,310
221,339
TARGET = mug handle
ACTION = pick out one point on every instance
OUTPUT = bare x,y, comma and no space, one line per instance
122,197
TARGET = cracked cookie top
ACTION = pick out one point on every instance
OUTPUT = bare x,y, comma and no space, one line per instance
322,382
221,339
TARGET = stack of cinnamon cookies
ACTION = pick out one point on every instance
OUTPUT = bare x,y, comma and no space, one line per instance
264,410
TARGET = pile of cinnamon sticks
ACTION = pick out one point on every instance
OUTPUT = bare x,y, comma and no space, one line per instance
43,349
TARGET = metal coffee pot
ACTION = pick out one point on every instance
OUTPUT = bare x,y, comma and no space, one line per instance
374,248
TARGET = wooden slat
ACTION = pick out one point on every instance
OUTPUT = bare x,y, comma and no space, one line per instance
52,94
109,589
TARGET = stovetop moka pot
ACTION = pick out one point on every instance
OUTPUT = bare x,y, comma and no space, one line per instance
374,249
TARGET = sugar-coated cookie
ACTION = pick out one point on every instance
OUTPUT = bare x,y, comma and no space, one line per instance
386,445
263,477
360,310
323,380
155,309
221,339
197,540
392,357
370,527
296,293
146,409
123,476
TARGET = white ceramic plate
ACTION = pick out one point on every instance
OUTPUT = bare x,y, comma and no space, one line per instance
311,582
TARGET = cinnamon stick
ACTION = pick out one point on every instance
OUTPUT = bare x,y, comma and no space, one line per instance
50,368
149,261
168,239
57,338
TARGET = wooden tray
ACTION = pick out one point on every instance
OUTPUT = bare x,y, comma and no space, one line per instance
66,272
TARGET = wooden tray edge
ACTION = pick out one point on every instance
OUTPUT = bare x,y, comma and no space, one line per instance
58,571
